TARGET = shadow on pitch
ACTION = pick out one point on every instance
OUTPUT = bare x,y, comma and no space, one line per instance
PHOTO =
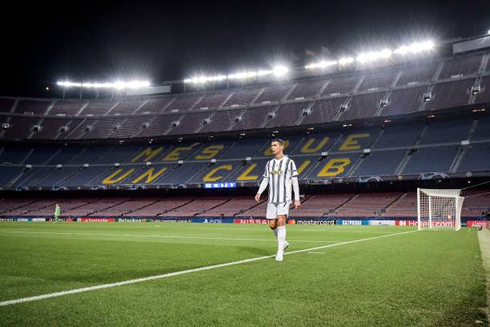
256,251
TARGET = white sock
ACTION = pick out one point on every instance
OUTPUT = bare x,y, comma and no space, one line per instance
281,238
275,232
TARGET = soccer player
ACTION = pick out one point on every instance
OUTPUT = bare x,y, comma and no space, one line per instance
57,212
280,174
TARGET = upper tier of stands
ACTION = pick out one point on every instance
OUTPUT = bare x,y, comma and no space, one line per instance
397,90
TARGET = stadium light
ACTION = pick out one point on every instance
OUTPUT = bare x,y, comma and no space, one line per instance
242,75
346,61
415,48
69,84
249,74
375,55
115,85
205,79
321,64
280,70
237,76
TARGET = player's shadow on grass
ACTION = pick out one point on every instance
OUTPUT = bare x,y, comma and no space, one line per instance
256,251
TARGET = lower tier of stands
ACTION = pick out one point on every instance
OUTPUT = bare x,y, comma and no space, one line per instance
340,205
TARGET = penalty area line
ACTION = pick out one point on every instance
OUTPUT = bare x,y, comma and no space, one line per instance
184,272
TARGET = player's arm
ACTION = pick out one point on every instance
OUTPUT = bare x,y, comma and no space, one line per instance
263,184
295,182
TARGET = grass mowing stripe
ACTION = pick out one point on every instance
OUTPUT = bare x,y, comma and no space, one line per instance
165,236
184,272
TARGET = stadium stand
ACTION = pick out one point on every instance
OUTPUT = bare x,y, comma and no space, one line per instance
414,148
417,121
402,89
341,205
6,104
367,205
404,206
321,205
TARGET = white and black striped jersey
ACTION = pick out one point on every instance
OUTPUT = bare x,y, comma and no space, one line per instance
278,175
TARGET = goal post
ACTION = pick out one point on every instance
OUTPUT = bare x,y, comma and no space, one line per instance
439,209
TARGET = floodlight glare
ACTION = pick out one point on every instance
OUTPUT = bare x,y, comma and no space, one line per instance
242,75
235,76
205,79
321,64
280,70
375,55
415,48
69,84
263,72
345,61
116,85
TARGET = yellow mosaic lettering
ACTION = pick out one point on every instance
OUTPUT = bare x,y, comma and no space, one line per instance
303,166
174,155
209,176
112,179
148,154
334,167
150,177
306,148
245,175
351,142
210,152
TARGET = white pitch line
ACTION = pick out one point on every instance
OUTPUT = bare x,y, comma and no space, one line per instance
184,272
162,236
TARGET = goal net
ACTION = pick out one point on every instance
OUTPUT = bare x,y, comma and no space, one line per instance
439,209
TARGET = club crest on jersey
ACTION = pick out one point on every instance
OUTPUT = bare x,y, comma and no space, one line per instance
276,172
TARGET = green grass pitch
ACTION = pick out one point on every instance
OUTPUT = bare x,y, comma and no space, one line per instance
413,279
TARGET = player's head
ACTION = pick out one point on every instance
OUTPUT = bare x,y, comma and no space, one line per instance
277,146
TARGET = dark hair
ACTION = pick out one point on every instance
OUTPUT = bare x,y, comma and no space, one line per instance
278,140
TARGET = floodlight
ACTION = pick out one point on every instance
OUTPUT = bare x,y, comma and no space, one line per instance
263,72
204,79
117,85
345,61
415,48
69,84
280,70
374,55
242,75
321,64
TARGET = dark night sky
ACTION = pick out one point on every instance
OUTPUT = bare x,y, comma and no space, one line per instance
43,43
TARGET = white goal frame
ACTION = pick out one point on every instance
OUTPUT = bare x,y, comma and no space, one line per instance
439,209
